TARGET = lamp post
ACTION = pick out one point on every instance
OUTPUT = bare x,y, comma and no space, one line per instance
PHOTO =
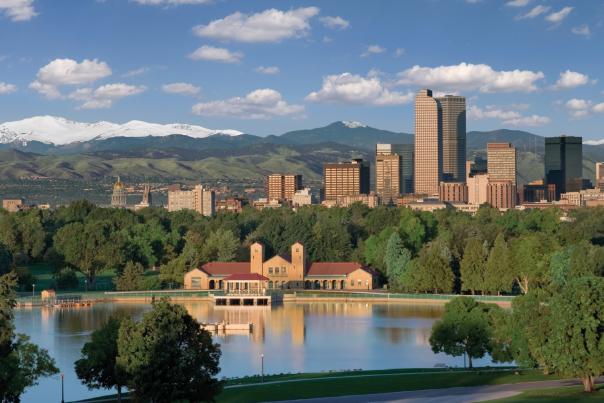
262,365
33,293
62,389
86,284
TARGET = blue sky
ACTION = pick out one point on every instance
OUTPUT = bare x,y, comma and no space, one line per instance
265,67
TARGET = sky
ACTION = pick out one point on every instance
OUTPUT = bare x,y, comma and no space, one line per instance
267,67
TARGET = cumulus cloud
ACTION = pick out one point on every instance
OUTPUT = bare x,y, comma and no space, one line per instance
559,16
518,3
578,107
534,12
136,72
355,89
259,104
267,70
528,121
335,22
571,79
398,52
61,72
598,108
181,89
18,10
268,26
466,77
215,54
6,88
170,2
373,50
104,96
582,30
507,116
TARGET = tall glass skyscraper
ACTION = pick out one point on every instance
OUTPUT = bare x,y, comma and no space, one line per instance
564,163
453,110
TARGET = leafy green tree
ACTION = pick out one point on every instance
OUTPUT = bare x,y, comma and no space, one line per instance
375,249
168,357
332,239
530,259
97,366
21,363
174,271
6,259
222,246
66,279
498,274
398,260
431,272
463,329
473,266
131,278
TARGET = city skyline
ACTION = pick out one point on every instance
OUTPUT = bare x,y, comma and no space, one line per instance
169,61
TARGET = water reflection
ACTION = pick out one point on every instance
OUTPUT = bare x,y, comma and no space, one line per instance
293,337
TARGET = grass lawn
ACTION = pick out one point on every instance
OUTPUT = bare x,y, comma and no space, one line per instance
573,394
43,277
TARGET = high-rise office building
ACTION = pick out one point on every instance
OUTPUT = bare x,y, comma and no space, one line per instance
345,179
564,163
427,173
198,199
501,162
453,112
393,171
501,194
453,192
600,176
282,187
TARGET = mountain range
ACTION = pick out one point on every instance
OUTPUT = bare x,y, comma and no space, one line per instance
52,147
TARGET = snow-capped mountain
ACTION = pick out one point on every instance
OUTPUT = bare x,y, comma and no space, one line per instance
60,131
352,124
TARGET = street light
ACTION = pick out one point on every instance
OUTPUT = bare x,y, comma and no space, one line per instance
33,293
86,284
62,389
262,364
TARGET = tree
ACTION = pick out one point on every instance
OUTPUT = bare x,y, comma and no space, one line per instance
473,266
530,259
168,357
463,329
97,368
498,273
6,259
66,279
432,270
398,260
21,363
332,239
375,249
221,246
131,278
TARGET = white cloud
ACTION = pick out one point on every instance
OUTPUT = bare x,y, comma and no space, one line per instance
398,52
268,26
466,76
354,89
68,72
335,22
104,96
582,30
507,116
530,121
214,54
18,10
259,104
181,89
571,79
267,70
534,12
373,50
136,72
598,108
6,88
518,3
170,2
559,15
579,108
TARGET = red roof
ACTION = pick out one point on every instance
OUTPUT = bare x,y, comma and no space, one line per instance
333,268
226,268
246,277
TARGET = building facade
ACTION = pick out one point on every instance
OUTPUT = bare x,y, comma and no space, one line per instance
302,197
282,187
600,176
477,188
501,194
285,272
564,163
198,199
453,110
118,197
345,179
393,171
13,205
453,192
501,162
427,171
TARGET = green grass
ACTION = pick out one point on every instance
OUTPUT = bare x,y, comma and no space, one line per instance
573,394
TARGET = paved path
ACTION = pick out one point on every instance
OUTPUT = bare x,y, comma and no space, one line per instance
446,395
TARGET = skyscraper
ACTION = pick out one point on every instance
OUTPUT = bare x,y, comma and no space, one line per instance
501,162
427,172
345,179
282,187
393,170
198,199
600,176
453,110
564,163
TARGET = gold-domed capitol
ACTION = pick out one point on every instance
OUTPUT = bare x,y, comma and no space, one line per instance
118,198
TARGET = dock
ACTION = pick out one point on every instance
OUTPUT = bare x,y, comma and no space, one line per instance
242,300
228,327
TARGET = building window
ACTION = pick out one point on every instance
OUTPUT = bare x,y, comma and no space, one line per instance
352,283
195,282
270,270
283,270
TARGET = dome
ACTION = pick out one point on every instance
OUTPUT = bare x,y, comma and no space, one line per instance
118,184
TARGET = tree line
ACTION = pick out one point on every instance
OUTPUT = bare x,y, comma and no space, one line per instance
442,252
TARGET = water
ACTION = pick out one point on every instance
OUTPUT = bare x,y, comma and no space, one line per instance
305,337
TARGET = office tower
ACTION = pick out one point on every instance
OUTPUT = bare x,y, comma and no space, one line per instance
453,112
600,176
564,163
118,198
477,166
537,191
427,173
282,187
393,171
345,179
501,194
453,192
477,188
198,199
501,162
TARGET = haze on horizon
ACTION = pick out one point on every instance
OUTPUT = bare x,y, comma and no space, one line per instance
266,67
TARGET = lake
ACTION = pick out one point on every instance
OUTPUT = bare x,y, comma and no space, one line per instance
297,337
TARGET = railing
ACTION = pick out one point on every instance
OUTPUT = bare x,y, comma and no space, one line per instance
255,293
381,295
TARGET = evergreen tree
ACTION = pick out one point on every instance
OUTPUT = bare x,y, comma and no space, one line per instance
397,259
473,266
498,274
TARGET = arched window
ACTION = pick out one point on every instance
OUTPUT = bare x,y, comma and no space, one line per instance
270,285
325,284
334,284
212,284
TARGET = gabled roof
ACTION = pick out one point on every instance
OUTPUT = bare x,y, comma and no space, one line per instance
246,277
333,268
226,268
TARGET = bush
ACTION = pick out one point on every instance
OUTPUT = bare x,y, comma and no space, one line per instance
24,278
66,279
151,283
